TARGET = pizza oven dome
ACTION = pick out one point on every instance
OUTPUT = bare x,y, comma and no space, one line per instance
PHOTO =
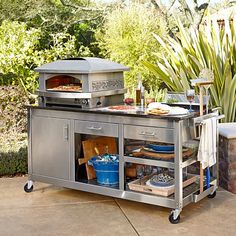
81,78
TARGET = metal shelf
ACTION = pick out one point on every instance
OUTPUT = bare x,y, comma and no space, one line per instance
189,161
151,162
160,163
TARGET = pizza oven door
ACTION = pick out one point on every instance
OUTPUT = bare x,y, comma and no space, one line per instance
64,83
64,90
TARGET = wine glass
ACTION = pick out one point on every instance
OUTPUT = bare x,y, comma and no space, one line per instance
190,97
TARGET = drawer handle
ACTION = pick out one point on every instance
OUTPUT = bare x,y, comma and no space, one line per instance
65,132
94,128
147,133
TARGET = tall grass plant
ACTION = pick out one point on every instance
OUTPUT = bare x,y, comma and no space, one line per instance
211,47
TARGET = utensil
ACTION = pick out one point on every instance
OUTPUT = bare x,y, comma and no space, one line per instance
208,75
97,153
148,169
208,177
140,172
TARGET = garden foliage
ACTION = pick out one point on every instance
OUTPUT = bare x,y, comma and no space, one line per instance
20,53
75,17
13,162
12,110
127,38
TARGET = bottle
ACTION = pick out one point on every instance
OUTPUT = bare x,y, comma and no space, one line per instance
142,97
138,91
106,155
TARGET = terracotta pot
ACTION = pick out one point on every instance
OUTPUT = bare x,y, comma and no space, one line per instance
130,171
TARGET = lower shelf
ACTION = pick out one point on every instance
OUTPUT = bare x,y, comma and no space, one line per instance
189,192
140,186
94,182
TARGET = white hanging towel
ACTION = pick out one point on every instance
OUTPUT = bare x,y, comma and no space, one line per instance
207,146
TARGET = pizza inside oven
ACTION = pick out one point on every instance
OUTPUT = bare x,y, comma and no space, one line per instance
64,83
67,88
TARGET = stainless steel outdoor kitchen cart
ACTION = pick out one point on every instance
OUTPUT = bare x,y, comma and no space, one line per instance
56,130
52,145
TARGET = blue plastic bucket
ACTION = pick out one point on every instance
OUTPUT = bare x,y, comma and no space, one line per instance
107,172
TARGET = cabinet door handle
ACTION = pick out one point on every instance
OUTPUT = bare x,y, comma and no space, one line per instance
65,132
147,133
94,128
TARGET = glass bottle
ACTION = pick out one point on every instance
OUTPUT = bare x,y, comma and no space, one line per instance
138,91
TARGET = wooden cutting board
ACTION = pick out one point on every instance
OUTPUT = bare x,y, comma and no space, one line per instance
89,151
143,152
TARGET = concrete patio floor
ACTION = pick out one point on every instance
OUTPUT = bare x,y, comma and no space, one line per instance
51,210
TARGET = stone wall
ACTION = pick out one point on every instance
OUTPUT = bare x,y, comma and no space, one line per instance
227,164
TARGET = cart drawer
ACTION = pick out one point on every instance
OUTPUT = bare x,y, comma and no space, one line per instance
96,128
149,133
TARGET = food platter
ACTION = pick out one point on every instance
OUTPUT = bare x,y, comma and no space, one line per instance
160,109
156,108
174,111
122,108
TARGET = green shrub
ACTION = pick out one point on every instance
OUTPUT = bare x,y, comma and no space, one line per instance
12,109
13,154
13,162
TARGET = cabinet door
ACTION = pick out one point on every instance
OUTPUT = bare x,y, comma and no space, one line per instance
50,147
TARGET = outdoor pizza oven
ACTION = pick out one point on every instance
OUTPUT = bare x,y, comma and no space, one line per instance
83,82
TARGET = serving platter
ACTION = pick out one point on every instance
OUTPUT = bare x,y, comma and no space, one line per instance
155,151
161,147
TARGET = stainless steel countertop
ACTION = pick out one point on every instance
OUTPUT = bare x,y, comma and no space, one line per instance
104,110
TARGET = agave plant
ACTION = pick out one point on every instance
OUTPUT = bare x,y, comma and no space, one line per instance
210,47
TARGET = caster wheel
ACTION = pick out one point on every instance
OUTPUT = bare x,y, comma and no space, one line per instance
172,220
28,190
212,195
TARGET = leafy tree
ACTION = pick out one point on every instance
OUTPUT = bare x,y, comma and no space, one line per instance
127,38
20,54
79,18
